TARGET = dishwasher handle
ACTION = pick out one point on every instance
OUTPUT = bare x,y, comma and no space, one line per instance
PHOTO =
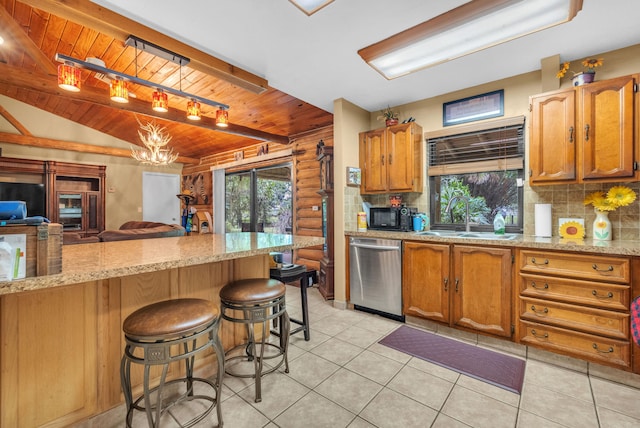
376,247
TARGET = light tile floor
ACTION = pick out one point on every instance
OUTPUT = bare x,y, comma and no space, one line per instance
343,378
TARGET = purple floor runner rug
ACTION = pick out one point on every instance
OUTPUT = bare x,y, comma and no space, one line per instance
488,366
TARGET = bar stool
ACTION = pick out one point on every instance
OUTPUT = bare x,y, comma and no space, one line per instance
163,333
256,301
294,273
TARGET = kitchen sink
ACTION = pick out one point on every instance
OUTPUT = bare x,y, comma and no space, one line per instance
471,235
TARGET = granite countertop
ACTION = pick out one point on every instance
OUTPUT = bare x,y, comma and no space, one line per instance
615,247
103,260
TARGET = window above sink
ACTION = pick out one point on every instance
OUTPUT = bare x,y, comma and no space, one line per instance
482,164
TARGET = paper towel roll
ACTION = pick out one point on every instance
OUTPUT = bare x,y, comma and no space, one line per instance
542,220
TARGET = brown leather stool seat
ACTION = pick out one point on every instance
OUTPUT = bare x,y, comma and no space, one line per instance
251,302
151,335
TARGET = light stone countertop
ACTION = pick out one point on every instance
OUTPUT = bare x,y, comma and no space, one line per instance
103,260
613,248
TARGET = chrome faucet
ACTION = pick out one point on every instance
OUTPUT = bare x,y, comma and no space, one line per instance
457,198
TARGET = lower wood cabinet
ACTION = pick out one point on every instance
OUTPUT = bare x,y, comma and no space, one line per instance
576,305
463,286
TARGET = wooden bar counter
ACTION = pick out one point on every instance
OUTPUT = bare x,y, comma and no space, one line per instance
60,335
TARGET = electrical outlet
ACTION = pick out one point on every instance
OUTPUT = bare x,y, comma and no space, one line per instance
315,208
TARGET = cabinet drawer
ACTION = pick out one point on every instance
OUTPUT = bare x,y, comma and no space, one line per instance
589,320
600,294
589,347
591,267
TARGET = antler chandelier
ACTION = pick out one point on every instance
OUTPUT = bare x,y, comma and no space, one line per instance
155,151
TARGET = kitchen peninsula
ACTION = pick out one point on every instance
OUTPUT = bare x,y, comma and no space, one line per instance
60,335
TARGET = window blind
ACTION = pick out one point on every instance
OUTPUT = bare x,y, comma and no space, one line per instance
490,146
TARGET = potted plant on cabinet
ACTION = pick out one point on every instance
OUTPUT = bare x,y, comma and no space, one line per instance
389,116
583,77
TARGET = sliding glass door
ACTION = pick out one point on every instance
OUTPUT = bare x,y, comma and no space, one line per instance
259,200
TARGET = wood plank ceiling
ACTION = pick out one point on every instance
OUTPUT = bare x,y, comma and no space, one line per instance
27,73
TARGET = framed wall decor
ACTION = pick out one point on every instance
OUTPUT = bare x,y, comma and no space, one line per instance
353,176
478,107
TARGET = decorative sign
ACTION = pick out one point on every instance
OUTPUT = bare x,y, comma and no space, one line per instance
473,108
353,176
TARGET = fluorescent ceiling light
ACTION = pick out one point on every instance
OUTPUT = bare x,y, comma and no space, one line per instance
469,28
310,6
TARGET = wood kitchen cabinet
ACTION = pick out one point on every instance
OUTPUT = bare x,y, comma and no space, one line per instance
77,198
463,285
391,159
576,305
585,134
425,280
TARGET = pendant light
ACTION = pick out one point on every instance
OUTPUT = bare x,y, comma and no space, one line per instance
118,91
222,118
160,102
193,110
69,77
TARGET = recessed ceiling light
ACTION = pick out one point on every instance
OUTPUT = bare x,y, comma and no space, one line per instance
1,40
310,6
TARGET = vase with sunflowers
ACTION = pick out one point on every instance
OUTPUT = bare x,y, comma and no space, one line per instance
603,203
582,77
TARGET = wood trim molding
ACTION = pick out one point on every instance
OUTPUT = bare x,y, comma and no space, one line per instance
280,155
28,140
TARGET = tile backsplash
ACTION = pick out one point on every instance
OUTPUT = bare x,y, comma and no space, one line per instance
565,200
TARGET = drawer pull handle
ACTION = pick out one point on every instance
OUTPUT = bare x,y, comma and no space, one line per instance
595,267
538,312
446,284
534,333
457,283
608,296
546,261
607,351
533,284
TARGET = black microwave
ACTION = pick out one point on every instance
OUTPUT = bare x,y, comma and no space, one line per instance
391,218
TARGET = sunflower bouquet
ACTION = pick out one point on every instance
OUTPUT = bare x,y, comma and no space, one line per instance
617,196
589,64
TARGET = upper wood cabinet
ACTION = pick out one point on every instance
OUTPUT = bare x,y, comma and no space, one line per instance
585,134
391,159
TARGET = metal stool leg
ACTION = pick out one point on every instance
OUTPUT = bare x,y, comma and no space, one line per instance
304,282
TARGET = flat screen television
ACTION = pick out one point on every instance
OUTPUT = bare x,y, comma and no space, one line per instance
32,194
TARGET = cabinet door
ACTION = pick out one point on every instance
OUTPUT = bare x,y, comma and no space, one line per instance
373,162
552,146
482,289
425,280
93,212
400,158
606,129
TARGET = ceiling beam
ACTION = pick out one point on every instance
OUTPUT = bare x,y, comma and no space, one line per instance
20,78
24,41
94,16
49,143
14,122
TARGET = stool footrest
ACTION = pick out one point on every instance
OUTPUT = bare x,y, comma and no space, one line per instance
187,396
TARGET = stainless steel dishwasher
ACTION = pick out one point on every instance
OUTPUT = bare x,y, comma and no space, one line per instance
375,276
